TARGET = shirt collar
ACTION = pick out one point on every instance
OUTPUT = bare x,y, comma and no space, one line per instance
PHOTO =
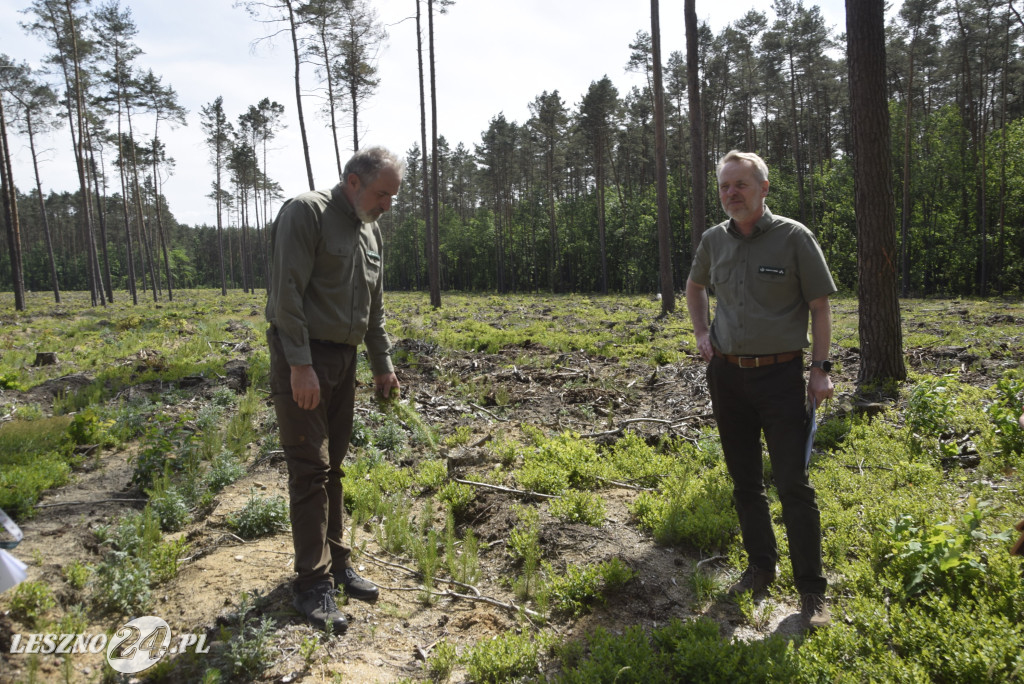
340,199
763,225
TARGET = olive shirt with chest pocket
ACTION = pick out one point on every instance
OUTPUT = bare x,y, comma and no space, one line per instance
326,279
762,283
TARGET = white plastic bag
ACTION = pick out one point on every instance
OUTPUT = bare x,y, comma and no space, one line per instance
12,570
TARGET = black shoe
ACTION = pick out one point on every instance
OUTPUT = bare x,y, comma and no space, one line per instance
318,606
355,586
754,580
814,610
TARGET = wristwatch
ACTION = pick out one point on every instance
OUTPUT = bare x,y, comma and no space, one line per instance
825,365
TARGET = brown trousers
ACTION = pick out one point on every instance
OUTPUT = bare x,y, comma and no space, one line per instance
316,501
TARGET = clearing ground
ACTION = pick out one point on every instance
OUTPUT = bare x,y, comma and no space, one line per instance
387,641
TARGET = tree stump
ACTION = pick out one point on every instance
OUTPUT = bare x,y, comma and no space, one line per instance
45,359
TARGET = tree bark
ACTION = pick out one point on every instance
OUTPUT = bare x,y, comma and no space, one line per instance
435,262
698,218
881,336
668,291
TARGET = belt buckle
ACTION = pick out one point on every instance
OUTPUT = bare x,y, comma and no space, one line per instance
755,359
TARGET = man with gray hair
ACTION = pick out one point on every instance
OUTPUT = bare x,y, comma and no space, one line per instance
768,275
326,297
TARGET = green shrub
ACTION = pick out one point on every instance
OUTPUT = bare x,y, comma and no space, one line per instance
508,657
223,470
560,463
390,436
442,661
940,557
457,496
30,600
1004,412
260,517
577,506
88,427
524,547
431,474
169,505
122,584
76,574
250,650
361,435
693,512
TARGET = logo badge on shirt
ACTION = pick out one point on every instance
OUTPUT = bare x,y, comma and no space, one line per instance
772,270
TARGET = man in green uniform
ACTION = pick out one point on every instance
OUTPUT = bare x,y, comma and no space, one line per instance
326,297
768,274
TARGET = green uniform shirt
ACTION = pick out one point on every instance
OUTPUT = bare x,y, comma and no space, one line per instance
327,278
762,284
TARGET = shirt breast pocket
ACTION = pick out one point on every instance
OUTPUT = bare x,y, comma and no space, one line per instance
372,261
720,275
338,261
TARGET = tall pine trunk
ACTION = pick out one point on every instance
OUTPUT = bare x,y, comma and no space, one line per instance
881,336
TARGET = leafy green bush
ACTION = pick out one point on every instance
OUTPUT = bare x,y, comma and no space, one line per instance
390,436
1004,412
250,649
30,600
681,652
260,517
34,456
508,657
442,661
524,546
431,474
940,557
361,435
560,463
122,584
695,512
224,469
577,506
88,427
457,496
574,592
169,505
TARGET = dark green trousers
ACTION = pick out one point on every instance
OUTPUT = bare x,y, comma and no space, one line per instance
315,443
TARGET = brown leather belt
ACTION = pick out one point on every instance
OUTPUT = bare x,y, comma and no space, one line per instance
759,361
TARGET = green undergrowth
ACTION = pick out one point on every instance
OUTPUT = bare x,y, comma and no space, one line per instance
626,328
917,501
35,455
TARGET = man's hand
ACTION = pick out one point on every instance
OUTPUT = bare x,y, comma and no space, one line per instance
384,384
305,387
819,386
698,306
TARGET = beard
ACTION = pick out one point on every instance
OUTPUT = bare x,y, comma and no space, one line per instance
367,217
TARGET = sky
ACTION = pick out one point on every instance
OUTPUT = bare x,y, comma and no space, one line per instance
491,58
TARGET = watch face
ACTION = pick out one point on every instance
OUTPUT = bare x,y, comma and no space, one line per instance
826,366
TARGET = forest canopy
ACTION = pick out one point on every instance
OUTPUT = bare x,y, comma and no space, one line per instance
518,211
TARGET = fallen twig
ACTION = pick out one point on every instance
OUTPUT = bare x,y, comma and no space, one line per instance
510,606
481,408
418,574
625,485
86,503
710,560
519,492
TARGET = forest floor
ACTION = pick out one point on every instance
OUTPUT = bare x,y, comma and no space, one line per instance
389,640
